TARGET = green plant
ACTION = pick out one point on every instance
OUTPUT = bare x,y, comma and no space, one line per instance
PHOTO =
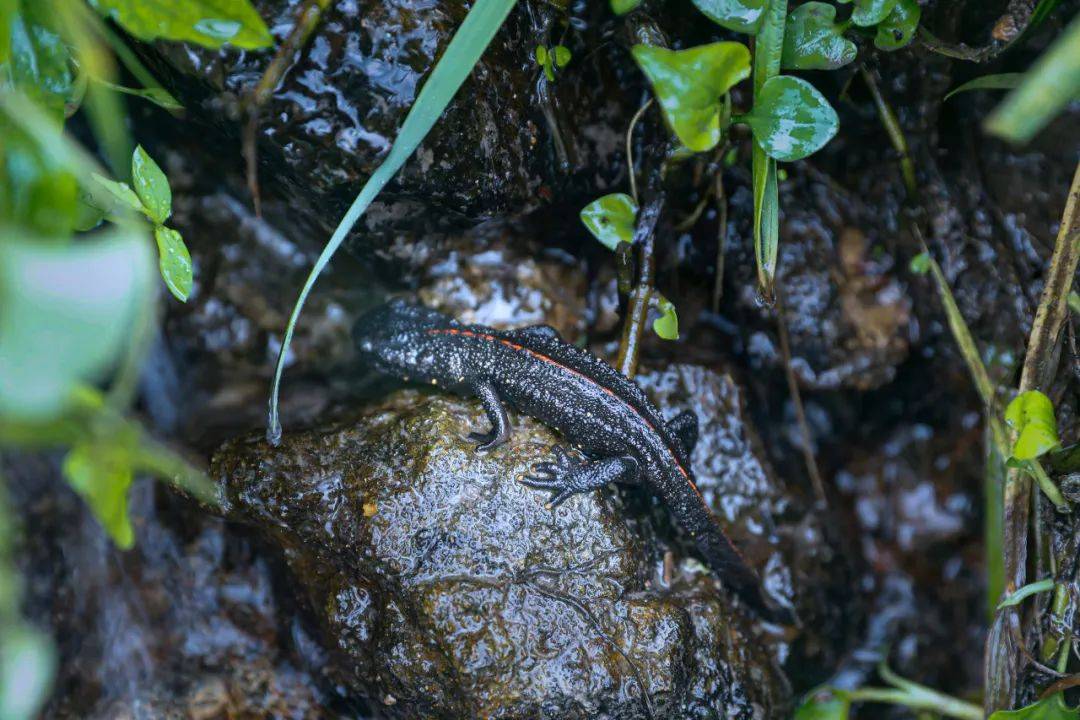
550,59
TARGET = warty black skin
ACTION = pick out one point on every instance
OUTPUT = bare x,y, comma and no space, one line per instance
599,410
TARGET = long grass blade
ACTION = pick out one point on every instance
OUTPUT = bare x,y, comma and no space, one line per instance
462,54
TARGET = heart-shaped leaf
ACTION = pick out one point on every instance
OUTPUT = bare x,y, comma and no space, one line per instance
611,219
791,119
813,40
689,84
742,16
667,325
871,12
898,29
1031,415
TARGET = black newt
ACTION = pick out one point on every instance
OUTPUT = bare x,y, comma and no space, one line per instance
601,411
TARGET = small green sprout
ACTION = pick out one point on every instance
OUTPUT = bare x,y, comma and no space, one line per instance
556,57
920,264
667,325
1031,415
611,219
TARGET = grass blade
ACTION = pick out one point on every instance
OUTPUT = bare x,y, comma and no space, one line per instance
767,54
466,47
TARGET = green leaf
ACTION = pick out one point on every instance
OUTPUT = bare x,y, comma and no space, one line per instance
39,61
689,85
117,196
27,663
541,55
813,40
898,29
743,16
768,52
37,191
101,473
1048,87
65,315
157,95
621,7
174,262
825,704
871,12
1000,81
667,325
211,23
1031,415
611,219
484,19
1051,708
151,186
920,264
791,119
561,54
1027,591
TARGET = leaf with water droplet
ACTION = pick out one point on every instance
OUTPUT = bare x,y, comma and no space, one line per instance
174,262
207,22
898,29
791,119
151,185
611,219
871,12
689,85
743,16
813,40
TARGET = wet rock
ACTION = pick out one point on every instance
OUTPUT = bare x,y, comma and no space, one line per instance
443,588
509,141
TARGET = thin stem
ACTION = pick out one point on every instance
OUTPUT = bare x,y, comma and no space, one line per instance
630,149
927,699
721,240
1035,468
894,131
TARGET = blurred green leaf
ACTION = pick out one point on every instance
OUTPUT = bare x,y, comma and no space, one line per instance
39,61
611,219
813,40
689,85
37,192
65,315
1051,708
100,471
667,325
151,186
898,29
791,119
1048,87
920,264
8,10
174,262
621,7
1000,81
211,23
118,196
157,95
1031,415
743,16
871,12
825,704
27,661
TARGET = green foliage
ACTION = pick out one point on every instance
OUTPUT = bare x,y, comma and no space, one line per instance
621,7
870,12
65,315
101,473
207,22
1000,81
920,264
813,40
484,19
743,16
611,219
151,186
1051,84
791,119
36,60
689,85
768,50
1031,416
174,262
897,30
828,704
1051,708
557,57
667,325
1027,591
157,95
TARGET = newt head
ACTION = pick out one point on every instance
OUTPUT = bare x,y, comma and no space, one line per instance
395,339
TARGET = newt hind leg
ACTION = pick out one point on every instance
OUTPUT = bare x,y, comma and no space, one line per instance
500,424
566,477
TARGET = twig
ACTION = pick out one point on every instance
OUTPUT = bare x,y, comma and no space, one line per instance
1040,364
796,399
637,311
307,19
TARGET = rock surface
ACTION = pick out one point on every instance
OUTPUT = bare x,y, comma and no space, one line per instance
442,588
